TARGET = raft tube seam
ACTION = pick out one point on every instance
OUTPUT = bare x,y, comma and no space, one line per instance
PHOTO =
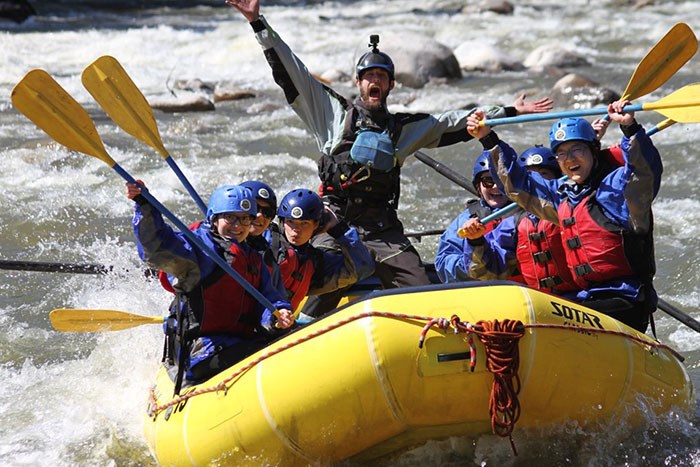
389,395
287,441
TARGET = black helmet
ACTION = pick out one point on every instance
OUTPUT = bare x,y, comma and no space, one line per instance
374,59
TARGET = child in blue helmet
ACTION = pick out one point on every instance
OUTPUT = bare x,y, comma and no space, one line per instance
604,210
307,270
214,322
469,250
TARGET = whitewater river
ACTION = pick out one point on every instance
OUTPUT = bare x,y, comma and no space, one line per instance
78,399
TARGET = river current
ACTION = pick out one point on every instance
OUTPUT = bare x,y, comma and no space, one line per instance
79,398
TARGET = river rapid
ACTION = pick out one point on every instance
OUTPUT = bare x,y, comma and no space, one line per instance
79,398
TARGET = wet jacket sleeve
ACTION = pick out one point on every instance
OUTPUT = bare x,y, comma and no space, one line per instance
451,262
318,106
163,248
437,130
494,257
341,269
626,194
528,189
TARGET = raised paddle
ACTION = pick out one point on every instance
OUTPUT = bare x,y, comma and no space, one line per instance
39,266
662,62
51,108
117,94
68,320
682,106
658,66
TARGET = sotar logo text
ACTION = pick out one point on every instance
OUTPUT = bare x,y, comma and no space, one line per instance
573,314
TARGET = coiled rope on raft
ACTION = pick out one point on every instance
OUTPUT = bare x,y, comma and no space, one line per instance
500,341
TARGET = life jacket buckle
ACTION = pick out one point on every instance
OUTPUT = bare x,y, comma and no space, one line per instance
573,243
550,282
542,256
583,269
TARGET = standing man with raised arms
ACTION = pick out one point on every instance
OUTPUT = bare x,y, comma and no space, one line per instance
363,145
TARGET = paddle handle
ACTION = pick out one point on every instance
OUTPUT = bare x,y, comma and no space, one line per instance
196,240
504,211
494,216
556,115
190,189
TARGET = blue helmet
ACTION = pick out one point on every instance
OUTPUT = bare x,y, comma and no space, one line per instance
481,164
538,156
231,198
374,59
261,191
568,129
301,204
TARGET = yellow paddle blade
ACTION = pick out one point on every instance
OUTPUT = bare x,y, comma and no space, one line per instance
43,101
68,320
662,62
114,90
681,106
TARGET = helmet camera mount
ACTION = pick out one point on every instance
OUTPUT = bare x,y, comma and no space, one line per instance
373,41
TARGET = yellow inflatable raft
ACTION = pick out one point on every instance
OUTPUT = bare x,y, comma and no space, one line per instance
359,385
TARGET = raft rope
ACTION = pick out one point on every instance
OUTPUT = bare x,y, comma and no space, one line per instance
500,340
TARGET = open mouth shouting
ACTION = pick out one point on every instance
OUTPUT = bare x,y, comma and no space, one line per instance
374,93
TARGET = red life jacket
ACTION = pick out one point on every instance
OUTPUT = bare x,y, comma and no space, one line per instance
594,246
296,277
222,306
541,256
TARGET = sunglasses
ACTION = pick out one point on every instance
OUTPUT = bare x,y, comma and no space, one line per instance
487,182
268,212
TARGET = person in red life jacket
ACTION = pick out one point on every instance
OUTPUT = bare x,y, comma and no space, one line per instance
540,251
214,322
469,250
604,210
307,270
262,229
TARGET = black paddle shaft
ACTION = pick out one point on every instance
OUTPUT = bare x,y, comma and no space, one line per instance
72,268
